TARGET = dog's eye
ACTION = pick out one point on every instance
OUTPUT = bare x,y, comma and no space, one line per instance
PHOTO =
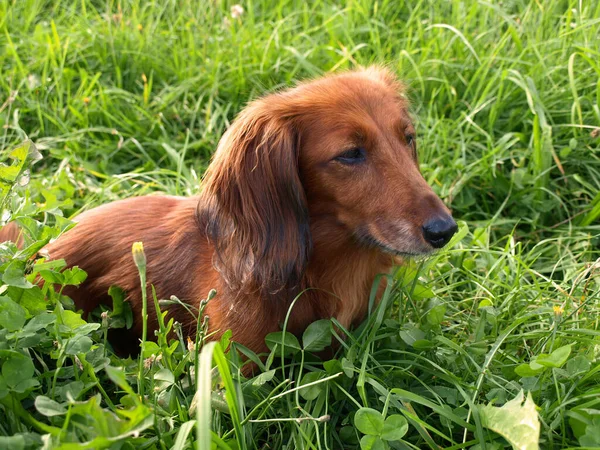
354,156
411,141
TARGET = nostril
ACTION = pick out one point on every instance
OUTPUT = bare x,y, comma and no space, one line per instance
438,232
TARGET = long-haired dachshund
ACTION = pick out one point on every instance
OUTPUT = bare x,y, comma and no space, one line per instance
314,187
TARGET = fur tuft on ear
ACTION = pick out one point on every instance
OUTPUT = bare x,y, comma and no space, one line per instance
253,207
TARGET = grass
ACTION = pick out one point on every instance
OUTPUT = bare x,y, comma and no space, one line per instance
124,98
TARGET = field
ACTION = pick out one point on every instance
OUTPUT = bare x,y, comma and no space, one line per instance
482,345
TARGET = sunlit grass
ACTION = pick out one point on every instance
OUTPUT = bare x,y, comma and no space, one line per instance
124,98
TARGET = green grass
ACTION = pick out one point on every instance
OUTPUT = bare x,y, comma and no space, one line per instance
128,97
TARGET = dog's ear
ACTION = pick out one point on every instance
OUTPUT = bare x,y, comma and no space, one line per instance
253,205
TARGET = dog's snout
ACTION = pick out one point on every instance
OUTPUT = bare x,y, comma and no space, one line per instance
437,232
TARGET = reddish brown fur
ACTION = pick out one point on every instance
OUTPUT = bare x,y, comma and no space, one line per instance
12,232
277,214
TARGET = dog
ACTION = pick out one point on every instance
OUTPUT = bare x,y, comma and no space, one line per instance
312,192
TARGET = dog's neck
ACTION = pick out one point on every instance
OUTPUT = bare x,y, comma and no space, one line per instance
341,271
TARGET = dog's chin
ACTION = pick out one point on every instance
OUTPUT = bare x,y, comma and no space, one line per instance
412,253
405,252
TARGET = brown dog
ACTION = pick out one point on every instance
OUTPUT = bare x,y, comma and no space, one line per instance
314,187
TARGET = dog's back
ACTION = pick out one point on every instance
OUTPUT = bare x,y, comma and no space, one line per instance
101,241
11,232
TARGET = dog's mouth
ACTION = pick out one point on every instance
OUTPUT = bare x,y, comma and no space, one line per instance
367,239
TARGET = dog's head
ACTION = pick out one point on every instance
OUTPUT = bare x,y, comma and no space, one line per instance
340,149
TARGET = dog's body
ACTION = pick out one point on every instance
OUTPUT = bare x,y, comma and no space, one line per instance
313,191
180,263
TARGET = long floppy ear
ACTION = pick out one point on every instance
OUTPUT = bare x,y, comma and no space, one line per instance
253,205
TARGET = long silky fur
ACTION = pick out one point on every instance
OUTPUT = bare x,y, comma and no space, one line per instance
253,209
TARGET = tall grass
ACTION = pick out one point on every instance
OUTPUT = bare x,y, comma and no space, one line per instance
128,97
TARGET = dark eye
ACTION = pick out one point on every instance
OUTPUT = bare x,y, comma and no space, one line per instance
354,156
410,139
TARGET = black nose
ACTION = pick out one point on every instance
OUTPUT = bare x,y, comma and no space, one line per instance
438,231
